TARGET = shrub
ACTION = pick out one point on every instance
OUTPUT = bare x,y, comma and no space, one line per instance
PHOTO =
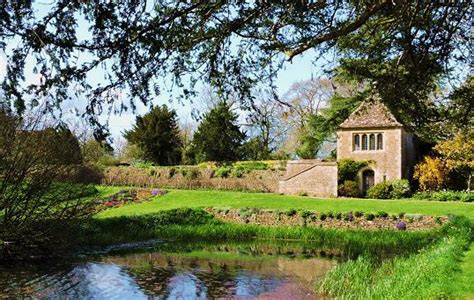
358,214
302,193
414,217
140,164
108,160
192,173
322,216
445,196
369,217
431,173
171,172
391,189
305,214
348,217
382,214
330,215
381,190
401,215
348,189
223,172
237,173
246,212
338,216
348,169
247,166
290,212
400,189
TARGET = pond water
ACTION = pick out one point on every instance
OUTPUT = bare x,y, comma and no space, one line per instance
258,269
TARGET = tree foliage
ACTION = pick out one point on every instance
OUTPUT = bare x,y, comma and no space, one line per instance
157,135
322,126
457,110
218,137
64,144
93,151
404,45
406,59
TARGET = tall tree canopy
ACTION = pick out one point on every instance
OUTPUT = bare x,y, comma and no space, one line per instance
406,60
157,135
232,45
218,137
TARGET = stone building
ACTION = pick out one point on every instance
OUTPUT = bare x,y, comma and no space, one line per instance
371,133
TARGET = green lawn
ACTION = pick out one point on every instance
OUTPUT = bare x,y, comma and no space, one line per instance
226,199
466,277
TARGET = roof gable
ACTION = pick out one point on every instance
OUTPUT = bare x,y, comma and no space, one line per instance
371,113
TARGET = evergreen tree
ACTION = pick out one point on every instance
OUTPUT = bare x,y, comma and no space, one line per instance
218,137
157,135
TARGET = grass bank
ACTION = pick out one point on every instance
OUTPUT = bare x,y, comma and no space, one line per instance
225,199
429,264
197,225
435,272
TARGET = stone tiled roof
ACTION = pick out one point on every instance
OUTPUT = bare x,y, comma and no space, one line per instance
371,113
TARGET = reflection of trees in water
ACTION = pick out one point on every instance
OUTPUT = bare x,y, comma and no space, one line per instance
211,281
154,279
219,280
255,268
273,248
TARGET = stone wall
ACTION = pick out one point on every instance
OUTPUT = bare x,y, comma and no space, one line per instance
174,177
311,177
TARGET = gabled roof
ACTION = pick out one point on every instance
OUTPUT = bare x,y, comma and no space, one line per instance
371,113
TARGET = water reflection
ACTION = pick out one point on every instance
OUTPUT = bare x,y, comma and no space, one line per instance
201,272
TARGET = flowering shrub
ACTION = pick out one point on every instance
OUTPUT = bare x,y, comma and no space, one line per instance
401,225
129,196
349,217
157,192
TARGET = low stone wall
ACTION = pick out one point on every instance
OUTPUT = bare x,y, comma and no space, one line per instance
191,178
310,177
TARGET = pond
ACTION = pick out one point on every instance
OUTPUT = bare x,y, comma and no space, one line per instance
170,270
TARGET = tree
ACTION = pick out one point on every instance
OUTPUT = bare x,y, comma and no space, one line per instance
405,45
404,62
321,126
218,137
65,145
157,135
307,105
266,128
93,151
457,111
458,154
38,207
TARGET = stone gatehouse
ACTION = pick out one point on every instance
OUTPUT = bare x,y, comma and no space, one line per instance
370,133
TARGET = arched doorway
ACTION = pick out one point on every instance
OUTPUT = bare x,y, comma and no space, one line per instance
367,180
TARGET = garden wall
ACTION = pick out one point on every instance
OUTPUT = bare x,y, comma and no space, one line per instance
192,177
311,177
